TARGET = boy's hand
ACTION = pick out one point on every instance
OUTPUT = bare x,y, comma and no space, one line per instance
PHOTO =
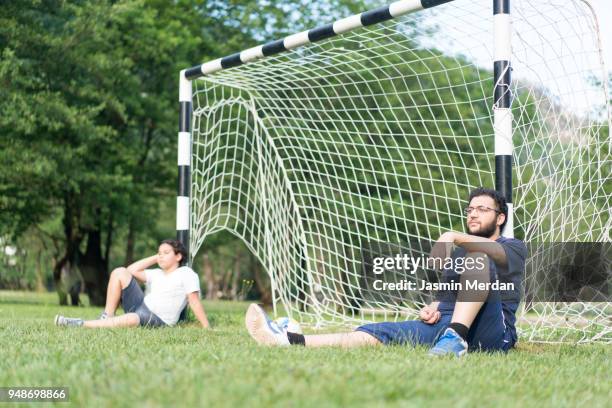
429,315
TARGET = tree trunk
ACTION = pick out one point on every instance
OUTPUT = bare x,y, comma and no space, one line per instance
226,282
262,281
211,284
57,280
301,281
94,269
65,266
131,240
40,285
75,293
235,278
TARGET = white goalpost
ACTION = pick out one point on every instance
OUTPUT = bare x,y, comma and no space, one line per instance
376,127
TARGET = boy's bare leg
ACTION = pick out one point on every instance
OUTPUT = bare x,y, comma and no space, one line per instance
120,278
125,320
352,339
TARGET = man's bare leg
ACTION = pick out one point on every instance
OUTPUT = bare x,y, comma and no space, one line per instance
265,332
125,320
466,311
119,279
347,340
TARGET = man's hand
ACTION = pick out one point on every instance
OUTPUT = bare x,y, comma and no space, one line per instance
430,314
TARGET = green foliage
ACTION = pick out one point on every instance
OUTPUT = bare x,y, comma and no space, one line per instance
89,100
88,95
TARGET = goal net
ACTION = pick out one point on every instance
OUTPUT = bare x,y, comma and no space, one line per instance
379,134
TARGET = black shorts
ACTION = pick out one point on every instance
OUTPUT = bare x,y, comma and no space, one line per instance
132,301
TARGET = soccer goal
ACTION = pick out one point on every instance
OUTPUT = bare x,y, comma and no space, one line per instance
376,127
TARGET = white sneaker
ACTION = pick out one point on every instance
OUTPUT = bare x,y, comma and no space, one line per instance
264,330
67,321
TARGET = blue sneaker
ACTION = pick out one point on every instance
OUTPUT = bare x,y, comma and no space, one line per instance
449,343
263,329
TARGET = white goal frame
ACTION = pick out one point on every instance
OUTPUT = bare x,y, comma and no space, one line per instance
501,91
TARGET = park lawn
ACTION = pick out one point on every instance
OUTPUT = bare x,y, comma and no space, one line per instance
187,366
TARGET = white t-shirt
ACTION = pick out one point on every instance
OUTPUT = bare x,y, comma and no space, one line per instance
167,295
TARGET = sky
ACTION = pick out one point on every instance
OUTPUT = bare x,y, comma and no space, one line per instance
604,13
552,44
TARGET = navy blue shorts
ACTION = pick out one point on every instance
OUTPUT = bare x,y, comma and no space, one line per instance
132,301
487,333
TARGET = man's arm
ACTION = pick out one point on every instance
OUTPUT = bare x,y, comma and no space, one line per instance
473,243
198,310
138,267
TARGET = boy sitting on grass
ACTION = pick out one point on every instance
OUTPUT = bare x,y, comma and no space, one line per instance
172,287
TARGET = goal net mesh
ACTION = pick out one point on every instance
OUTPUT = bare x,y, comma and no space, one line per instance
378,135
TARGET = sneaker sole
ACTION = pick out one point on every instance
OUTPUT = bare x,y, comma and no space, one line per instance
56,320
435,355
256,325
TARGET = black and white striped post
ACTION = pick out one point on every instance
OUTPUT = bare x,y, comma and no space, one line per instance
183,212
502,113
291,42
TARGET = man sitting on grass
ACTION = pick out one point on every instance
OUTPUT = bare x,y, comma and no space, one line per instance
172,287
474,320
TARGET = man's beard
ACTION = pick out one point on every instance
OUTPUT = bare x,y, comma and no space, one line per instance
484,231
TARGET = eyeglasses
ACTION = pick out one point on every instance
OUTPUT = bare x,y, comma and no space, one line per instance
479,210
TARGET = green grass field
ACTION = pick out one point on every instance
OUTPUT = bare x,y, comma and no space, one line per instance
187,366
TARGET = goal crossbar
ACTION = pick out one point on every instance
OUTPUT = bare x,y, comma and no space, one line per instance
367,18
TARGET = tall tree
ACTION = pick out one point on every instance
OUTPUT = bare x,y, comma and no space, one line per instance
88,97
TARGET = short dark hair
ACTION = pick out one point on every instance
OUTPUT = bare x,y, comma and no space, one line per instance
499,198
178,248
